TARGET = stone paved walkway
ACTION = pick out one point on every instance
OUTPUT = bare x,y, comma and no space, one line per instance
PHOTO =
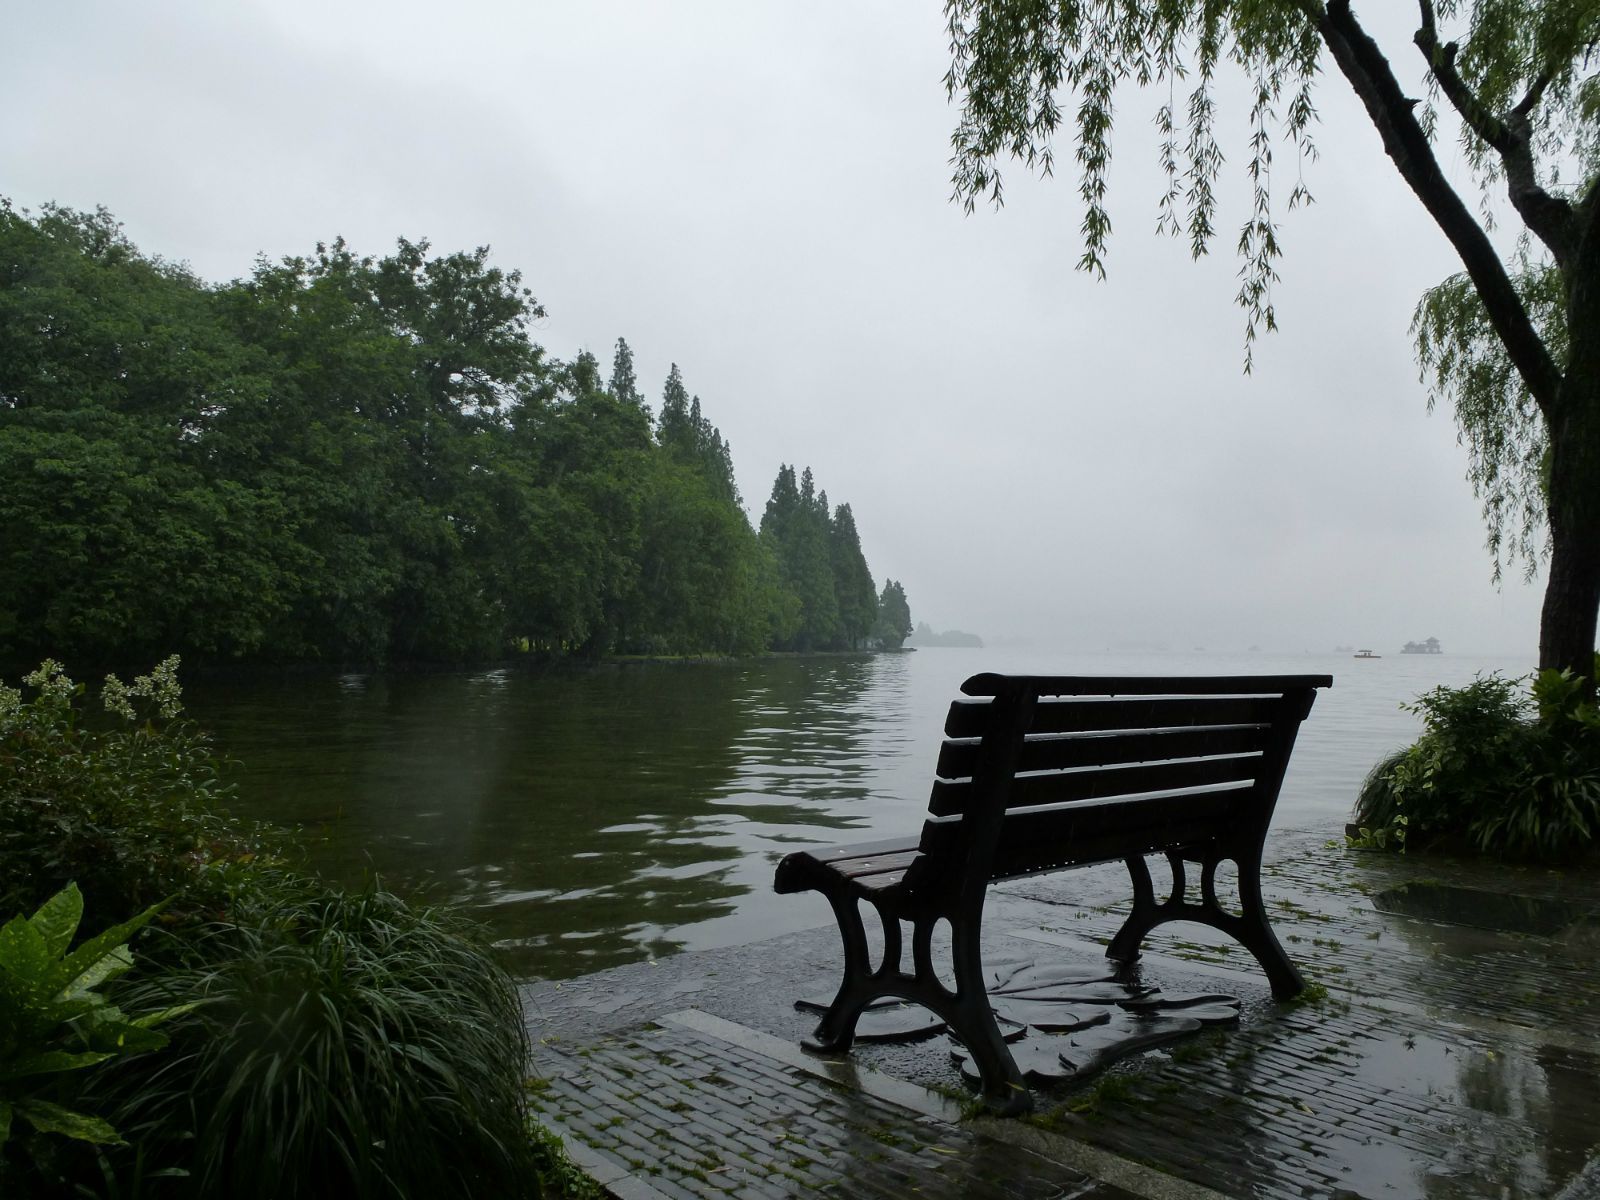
681,1109
1455,1054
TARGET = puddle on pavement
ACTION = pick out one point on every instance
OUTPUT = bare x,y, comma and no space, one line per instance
1507,1121
1497,911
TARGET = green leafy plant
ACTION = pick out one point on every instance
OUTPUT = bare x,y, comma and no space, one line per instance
55,1023
559,1176
1498,770
125,802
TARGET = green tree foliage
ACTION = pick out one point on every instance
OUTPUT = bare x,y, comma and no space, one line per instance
674,430
811,568
854,592
894,616
795,525
1505,433
830,599
624,383
112,535
705,584
1516,348
353,459
563,499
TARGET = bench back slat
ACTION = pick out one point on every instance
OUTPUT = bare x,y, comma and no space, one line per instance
1035,840
1093,783
958,757
970,718
1039,772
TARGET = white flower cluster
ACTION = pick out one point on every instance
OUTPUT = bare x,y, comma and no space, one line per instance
160,687
50,678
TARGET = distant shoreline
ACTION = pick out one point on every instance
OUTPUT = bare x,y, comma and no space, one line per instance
524,664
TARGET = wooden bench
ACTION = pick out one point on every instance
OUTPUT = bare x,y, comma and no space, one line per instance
1041,773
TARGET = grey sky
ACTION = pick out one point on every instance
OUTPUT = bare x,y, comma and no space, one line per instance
759,192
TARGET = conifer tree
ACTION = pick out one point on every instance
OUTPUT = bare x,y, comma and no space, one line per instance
852,582
810,571
781,506
674,429
624,383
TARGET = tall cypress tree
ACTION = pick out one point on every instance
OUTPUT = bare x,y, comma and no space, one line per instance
853,588
781,506
705,572
711,453
624,383
674,428
811,569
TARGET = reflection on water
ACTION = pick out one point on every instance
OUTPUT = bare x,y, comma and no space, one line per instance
591,818
599,817
1463,943
1480,909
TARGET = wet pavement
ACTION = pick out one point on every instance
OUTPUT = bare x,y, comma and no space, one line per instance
1449,1048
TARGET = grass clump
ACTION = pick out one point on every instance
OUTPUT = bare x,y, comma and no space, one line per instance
356,1044
1500,769
317,1042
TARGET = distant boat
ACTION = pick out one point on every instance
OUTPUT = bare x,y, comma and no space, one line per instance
1367,654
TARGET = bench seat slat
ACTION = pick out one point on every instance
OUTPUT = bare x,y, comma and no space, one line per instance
876,864
865,859
958,759
863,849
864,866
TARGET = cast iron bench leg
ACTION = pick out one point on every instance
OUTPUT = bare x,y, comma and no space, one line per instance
966,1010
837,1029
1250,929
969,1015
1255,933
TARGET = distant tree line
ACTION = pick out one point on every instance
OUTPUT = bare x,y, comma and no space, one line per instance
356,460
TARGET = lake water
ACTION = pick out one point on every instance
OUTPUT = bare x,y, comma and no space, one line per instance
597,817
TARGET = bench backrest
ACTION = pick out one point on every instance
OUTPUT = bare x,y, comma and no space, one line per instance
1039,772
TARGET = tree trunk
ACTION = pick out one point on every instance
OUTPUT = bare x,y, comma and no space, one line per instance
1572,597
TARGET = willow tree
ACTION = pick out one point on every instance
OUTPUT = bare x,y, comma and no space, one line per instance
1513,342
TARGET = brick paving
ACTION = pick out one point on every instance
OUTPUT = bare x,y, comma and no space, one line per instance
1446,1061
688,1115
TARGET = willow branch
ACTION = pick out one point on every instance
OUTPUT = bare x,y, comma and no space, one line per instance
1511,137
1394,115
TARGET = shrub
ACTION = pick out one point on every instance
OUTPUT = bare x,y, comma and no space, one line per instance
129,808
1497,770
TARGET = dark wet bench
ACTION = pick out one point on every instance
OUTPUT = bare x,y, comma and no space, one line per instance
1040,773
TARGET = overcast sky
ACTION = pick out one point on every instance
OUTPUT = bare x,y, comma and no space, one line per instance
759,191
